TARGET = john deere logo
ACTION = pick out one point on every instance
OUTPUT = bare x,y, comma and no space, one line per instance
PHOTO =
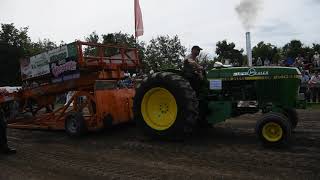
251,72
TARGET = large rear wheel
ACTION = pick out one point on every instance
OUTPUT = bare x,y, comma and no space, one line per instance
165,106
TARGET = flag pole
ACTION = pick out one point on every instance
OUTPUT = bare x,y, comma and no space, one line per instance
138,20
135,20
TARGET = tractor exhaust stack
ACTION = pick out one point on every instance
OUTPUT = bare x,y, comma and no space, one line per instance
249,51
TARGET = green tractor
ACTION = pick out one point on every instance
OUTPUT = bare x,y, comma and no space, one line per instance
169,105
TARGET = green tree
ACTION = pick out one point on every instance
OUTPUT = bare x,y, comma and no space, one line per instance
14,45
119,38
307,52
125,40
164,52
293,49
206,61
276,55
316,47
115,40
41,46
92,38
266,51
227,50
14,37
9,65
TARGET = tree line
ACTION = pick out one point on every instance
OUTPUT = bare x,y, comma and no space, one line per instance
162,52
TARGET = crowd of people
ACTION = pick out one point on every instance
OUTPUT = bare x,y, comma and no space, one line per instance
302,62
310,86
309,67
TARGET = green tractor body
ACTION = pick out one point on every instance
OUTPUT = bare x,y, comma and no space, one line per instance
237,91
167,104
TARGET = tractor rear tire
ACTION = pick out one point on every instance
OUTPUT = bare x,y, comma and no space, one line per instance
165,106
274,130
75,125
292,116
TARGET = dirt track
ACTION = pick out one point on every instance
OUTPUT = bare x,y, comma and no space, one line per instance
228,151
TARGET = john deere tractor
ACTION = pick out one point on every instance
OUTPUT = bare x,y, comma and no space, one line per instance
169,105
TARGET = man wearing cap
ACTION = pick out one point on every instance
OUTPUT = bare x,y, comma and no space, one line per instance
195,74
191,63
193,71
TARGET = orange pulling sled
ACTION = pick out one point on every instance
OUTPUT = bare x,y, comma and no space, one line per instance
90,73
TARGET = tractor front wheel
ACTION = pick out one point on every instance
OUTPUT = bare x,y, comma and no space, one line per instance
274,129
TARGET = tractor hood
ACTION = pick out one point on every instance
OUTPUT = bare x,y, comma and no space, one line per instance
254,73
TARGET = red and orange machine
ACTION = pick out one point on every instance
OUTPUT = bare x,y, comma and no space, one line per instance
92,72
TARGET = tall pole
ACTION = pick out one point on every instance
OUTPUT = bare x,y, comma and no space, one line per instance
249,50
135,20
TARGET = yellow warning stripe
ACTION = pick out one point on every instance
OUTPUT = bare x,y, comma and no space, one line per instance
251,78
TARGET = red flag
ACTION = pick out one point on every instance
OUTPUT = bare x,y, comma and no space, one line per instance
138,19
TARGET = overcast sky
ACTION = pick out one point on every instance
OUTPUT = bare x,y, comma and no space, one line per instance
201,22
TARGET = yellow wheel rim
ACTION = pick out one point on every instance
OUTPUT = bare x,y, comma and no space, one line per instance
159,108
272,132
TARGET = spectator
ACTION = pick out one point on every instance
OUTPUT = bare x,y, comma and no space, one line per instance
289,61
307,65
304,85
227,61
299,63
282,62
305,77
307,58
314,84
316,59
259,62
236,63
299,59
267,62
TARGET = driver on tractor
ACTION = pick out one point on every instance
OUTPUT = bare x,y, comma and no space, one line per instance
196,75
192,70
